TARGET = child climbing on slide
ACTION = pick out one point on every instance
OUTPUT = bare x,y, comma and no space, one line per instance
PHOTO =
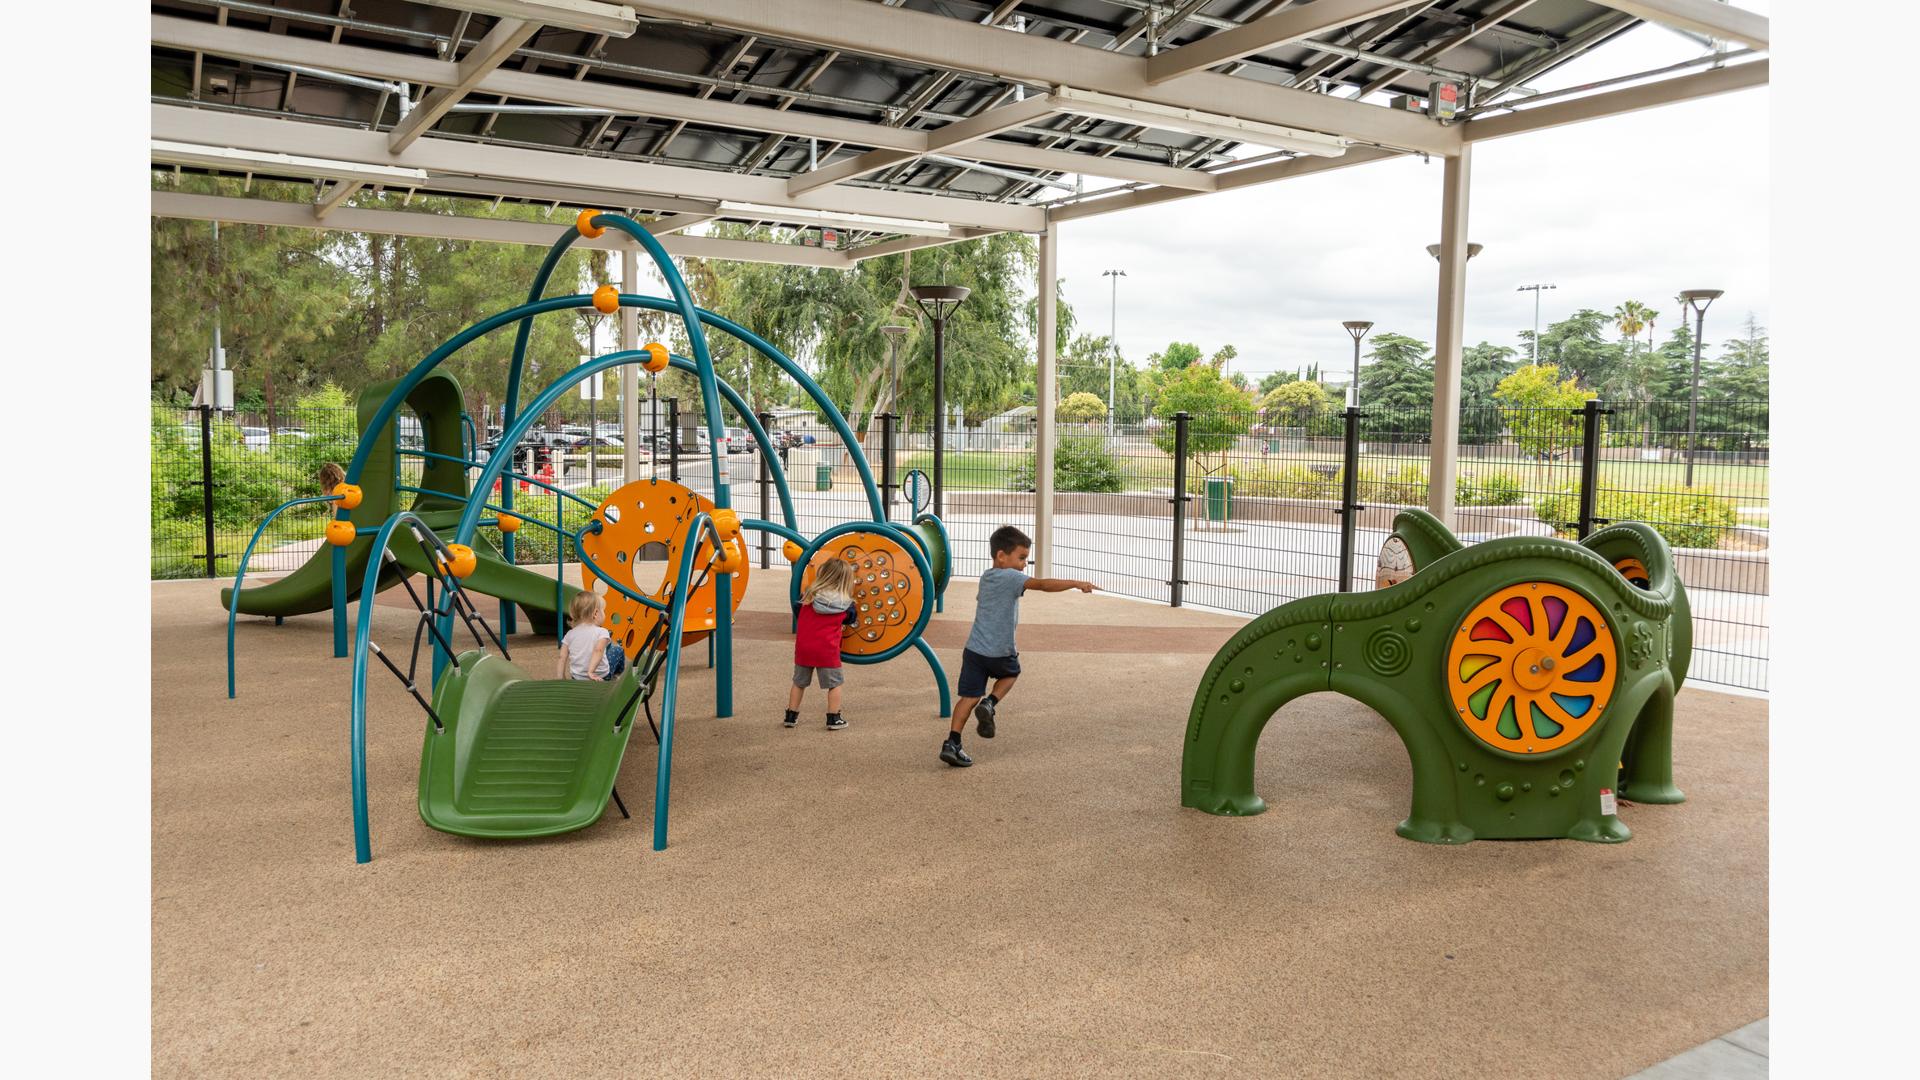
990,651
330,476
588,651
826,605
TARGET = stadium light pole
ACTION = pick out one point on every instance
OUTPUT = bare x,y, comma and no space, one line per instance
1359,330
1698,300
1535,290
939,302
1113,342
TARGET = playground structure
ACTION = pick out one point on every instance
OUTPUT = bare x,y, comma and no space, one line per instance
507,754
1531,680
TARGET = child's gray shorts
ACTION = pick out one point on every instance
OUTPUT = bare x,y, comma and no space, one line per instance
830,677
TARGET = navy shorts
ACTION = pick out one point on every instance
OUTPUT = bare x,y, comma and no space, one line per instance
975,670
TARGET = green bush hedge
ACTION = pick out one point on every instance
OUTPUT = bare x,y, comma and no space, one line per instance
1081,464
1687,517
1488,489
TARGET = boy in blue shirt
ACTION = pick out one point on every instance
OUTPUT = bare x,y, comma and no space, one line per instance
990,651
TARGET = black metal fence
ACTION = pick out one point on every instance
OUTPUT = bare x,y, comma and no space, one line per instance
1234,512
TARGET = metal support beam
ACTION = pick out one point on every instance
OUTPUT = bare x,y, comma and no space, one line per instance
954,135
630,377
194,207
1238,178
936,41
674,223
1709,17
1294,24
631,101
914,243
1046,389
493,50
329,200
1448,335
441,156
1665,92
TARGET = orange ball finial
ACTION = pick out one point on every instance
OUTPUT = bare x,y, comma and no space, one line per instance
606,299
732,558
584,223
463,561
350,495
508,523
657,357
340,533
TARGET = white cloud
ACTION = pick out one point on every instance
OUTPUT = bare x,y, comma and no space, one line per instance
1630,207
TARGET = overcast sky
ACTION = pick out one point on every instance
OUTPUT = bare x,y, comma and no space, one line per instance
1631,207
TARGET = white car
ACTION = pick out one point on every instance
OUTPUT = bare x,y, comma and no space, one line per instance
256,438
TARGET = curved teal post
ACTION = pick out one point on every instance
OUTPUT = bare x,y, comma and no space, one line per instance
233,600
758,432
670,683
939,676
795,372
357,730
510,410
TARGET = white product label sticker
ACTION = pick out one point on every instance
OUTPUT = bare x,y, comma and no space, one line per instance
1607,804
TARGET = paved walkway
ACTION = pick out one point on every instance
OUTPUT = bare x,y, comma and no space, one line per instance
1737,1055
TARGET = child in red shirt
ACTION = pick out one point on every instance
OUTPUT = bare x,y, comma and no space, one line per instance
826,605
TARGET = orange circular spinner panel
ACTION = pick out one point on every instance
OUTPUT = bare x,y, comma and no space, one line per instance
886,590
1531,668
643,529
1634,571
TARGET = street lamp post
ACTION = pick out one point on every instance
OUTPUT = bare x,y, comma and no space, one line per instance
1699,300
1535,290
1113,341
1359,330
939,302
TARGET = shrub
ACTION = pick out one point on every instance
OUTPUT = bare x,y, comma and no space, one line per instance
1404,486
1685,517
1082,464
1487,489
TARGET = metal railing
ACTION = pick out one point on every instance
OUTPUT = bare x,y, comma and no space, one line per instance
1236,512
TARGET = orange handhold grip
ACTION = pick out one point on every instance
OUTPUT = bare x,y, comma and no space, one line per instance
726,522
350,495
508,523
657,357
606,299
341,533
584,223
792,551
733,557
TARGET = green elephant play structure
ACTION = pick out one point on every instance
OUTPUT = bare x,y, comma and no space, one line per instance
1531,679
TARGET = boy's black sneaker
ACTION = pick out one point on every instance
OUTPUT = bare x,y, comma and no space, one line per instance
983,718
951,753
791,719
835,721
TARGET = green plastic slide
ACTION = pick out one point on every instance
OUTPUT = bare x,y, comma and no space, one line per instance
522,756
436,401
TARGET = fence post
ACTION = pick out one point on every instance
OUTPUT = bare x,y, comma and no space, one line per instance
673,439
887,480
1181,421
1590,414
766,485
1349,495
206,479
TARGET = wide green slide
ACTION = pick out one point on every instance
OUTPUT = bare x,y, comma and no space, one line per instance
522,756
436,401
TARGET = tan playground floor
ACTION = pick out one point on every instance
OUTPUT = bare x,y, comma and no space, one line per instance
843,904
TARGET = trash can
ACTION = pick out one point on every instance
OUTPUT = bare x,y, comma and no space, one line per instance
1220,499
823,477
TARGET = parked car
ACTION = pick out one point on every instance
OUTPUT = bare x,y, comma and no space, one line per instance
291,433
586,441
256,438
738,441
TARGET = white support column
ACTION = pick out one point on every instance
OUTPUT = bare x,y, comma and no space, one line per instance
1448,335
630,375
1045,391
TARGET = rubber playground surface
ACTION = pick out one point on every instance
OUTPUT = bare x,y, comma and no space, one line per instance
843,904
